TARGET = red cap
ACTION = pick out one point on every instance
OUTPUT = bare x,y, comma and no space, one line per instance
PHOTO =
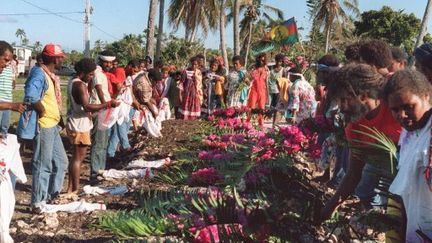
53,50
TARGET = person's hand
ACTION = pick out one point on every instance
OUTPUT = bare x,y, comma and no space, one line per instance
115,103
291,120
18,107
154,112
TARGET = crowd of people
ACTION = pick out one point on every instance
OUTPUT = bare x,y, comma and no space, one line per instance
374,88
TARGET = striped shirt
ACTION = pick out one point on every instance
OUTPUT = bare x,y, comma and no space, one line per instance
6,80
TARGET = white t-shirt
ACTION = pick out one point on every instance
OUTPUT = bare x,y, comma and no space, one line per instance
410,182
99,79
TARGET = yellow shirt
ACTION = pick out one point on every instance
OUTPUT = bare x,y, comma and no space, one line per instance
49,102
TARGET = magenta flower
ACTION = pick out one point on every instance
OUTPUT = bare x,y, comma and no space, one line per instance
221,122
211,118
206,177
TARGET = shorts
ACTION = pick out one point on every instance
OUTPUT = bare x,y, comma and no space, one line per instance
79,138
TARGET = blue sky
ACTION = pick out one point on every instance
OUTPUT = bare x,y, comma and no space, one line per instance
118,17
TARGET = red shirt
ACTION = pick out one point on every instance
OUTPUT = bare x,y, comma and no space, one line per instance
383,122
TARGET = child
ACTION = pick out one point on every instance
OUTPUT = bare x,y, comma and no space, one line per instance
236,83
258,90
174,93
191,92
408,96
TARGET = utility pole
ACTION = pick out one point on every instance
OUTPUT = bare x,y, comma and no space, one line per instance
88,11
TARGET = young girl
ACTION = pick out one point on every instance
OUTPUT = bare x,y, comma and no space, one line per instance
235,83
192,93
258,90
408,95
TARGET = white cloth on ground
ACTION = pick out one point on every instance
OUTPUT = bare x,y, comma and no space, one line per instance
141,163
95,190
411,184
73,207
120,174
153,126
10,160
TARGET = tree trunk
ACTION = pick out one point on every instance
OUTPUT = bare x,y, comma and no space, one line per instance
150,46
222,34
328,29
424,23
248,43
193,34
160,29
236,25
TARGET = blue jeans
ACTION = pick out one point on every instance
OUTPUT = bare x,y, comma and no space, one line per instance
4,121
98,154
118,133
371,176
48,165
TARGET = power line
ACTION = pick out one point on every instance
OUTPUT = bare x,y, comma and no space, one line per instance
51,12
103,31
19,14
58,14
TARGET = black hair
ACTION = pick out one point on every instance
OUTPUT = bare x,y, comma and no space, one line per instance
326,75
154,75
258,57
407,80
85,65
236,58
376,53
134,63
279,57
148,59
213,61
141,61
193,59
329,60
352,52
5,46
398,54
48,59
357,79
107,53
201,56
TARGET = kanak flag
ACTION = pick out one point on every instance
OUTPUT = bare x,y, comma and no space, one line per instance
286,33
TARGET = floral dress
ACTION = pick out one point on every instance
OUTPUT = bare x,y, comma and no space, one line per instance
301,99
235,86
192,94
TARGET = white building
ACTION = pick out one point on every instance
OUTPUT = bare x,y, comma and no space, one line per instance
24,56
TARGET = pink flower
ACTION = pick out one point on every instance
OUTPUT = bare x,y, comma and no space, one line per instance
230,112
315,151
204,233
266,142
205,177
221,122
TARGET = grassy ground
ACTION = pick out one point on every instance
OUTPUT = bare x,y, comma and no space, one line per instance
18,96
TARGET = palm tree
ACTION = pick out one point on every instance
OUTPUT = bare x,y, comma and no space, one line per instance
254,10
222,33
236,24
37,46
160,29
424,23
328,13
193,14
151,28
251,15
21,34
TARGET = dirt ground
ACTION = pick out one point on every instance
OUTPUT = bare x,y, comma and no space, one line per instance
79,227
